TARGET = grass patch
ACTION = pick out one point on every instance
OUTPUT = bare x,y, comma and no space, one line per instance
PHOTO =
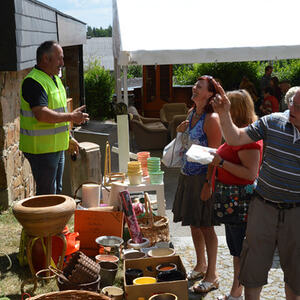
11,280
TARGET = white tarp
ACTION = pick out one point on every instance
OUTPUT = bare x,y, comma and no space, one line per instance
188,31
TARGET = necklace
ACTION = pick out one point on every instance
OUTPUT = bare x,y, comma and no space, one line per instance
198,116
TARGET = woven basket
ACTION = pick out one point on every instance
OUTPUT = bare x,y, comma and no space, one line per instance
71,295
154,228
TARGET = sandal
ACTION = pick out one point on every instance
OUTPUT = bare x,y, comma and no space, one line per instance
205,287
193,275
229,297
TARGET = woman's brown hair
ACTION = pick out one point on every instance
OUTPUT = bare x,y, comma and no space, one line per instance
242,108
211,88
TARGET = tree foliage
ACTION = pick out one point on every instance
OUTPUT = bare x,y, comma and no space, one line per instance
99,32
231,74
99,88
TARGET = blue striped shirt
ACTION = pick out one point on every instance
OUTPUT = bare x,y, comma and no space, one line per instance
279,176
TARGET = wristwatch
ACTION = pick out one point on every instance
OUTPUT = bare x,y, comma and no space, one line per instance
221,163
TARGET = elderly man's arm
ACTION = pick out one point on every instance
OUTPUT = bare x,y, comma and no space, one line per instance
233,135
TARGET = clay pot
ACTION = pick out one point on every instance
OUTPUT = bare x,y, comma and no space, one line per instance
114,292
166,267
134,255
44,215
93,286
106,257
164,296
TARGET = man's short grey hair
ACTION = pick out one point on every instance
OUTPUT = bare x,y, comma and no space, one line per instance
45,47
291,93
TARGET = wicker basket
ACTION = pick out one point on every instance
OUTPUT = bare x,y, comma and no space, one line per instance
71,295
154,228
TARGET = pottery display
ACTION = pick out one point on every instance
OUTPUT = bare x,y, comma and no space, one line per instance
134,255
44,215
166,267
131,274
106,257
144,280
145,243
114,292
164,296
114,242
108,271
161,252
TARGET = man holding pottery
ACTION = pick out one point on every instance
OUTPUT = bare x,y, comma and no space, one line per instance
44,120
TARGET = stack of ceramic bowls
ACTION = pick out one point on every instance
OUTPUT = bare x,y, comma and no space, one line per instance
134,173
155,173
142,158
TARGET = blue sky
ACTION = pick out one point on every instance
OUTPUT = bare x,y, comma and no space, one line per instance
96,13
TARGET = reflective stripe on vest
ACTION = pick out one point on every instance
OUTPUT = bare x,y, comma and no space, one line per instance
29,113
41,132
41,137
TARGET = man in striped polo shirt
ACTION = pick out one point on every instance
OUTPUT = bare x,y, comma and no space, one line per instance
274,213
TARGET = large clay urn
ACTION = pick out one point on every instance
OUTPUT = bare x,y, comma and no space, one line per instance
44,215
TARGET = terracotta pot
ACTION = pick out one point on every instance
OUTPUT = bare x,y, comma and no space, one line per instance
44,215
90,286
164,296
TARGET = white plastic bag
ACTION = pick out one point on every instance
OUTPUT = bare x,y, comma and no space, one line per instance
172,154
200,154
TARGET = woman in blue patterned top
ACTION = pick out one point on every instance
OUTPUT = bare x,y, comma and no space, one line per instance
193,204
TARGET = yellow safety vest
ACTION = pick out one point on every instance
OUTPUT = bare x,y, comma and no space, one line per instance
40,137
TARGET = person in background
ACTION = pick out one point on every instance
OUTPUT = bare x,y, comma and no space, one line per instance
236,170
284,87
193,205
274,84
249,86
44,120
270,103
265,80
274,212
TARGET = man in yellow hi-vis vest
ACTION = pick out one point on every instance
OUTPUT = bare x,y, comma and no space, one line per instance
44,119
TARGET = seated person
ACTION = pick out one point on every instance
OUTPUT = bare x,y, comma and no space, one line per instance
270,103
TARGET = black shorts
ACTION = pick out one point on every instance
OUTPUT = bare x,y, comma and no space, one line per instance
235,234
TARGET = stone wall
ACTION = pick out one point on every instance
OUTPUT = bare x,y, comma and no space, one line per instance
16,181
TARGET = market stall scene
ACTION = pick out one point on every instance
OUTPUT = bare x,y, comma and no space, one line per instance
160,189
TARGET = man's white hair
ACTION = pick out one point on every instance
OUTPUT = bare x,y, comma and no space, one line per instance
291,93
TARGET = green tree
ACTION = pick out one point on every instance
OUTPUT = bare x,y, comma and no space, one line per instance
99,88
99,32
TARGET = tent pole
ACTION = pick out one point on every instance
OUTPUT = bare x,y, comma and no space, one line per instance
123,142
117,81
125,84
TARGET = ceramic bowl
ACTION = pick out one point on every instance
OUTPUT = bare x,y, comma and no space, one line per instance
161,252
134,255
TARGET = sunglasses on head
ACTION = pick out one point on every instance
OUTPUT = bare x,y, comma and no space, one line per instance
206,77
291,103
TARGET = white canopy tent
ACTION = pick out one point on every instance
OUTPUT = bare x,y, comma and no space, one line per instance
196,31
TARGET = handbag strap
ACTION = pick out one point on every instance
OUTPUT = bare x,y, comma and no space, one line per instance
148,209
176,139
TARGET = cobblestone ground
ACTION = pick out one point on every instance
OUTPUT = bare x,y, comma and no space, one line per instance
184,247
